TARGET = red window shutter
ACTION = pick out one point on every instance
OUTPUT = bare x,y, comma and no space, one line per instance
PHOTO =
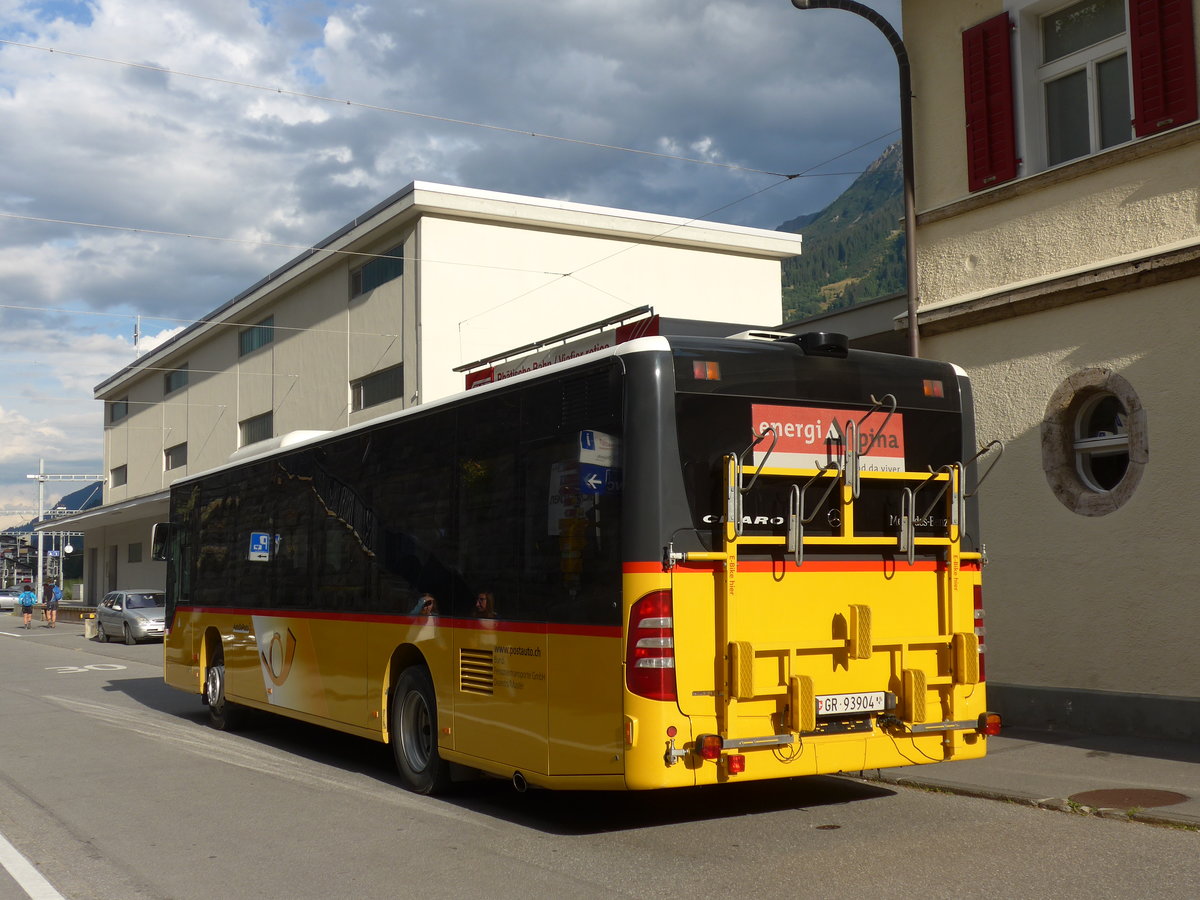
988,84
1163,59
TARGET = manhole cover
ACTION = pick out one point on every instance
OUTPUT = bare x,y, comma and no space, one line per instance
1128,798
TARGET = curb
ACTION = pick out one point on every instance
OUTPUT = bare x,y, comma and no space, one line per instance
1057,804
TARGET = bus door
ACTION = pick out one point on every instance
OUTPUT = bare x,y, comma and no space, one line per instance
500,638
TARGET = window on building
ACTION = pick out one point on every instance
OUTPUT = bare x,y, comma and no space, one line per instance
378,387
1094,442
174,457
135,553
1101,441
256,428
1085,79
118,409
378,271
1084,70
175,379
118,476
256,336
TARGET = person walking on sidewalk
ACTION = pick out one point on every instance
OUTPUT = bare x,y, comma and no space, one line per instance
27,599
52,595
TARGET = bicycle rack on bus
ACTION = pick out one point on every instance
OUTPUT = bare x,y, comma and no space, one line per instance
947,485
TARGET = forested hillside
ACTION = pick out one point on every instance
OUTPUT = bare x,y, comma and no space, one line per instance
853,249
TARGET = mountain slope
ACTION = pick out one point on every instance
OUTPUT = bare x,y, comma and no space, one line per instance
854,248
76,501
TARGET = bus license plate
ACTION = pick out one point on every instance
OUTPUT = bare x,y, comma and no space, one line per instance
850,704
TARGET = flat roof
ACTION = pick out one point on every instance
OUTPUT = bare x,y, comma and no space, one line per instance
422,198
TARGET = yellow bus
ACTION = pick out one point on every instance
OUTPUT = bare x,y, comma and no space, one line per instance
680,560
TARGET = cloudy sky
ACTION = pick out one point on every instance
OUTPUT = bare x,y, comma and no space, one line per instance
133,192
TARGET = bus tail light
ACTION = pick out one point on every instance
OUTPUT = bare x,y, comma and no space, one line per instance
709,746
736,763
980,631
989,723
650,649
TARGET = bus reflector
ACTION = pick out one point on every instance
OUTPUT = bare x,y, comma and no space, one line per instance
650,648
736,763
706,371
989,723
709,746
980,631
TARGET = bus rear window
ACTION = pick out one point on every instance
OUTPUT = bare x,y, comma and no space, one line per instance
710,427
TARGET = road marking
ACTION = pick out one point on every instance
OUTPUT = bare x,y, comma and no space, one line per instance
94,667
28,878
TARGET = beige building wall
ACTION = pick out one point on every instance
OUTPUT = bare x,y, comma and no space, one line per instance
1097,603
1088,266
523,284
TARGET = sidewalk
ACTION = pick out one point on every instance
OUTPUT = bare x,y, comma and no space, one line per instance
1117,777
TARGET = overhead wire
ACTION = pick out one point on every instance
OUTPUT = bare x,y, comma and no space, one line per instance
341,101
554,276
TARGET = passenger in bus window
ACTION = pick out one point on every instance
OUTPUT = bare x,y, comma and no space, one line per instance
426,606
485,605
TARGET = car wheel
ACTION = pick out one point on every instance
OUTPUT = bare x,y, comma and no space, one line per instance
414,733
101,634
129,638
222,715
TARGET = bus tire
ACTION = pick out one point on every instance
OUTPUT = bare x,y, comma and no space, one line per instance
414,733
222,715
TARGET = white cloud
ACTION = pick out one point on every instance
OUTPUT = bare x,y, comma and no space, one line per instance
752,83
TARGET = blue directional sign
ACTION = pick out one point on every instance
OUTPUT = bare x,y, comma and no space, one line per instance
598,479
592,479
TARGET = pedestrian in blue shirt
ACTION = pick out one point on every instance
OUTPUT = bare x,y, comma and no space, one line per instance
28,600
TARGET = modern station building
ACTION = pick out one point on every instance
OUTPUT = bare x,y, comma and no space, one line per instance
378,317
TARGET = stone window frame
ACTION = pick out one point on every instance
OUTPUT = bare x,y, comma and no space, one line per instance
1059,453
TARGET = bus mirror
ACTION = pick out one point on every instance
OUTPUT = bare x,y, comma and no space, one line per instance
160,538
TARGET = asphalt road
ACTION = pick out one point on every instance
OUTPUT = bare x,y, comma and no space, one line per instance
113,787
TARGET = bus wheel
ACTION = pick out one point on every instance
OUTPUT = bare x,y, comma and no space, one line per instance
222,715
414,733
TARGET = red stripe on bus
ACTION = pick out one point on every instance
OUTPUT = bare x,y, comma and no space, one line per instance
560,628
816,565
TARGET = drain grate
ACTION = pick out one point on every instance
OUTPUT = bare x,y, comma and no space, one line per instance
1128,798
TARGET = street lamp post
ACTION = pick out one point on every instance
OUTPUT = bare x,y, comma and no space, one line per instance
906,146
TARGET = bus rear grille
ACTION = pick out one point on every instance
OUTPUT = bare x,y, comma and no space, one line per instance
475,671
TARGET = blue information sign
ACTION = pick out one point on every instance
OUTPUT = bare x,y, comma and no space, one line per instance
260,546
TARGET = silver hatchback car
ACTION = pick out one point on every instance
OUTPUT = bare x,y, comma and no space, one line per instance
134,615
